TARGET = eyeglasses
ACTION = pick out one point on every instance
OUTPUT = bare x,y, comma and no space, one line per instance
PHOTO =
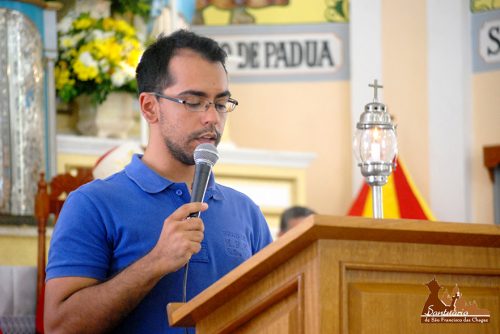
195,103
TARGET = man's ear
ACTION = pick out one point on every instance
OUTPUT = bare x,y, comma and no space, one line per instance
149,107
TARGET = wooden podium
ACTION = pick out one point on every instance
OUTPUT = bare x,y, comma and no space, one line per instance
353,275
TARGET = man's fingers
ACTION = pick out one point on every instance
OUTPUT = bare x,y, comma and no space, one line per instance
196,236
190,248
185,210
194,224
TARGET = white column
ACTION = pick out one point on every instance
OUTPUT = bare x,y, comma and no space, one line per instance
366,63
450,128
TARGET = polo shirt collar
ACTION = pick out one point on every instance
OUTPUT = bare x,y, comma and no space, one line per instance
151,182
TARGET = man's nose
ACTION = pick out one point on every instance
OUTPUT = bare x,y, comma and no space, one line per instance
211,115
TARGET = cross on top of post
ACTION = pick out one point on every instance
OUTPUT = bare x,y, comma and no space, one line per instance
375,86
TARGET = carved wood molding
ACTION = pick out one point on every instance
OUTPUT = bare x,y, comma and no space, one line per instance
390,267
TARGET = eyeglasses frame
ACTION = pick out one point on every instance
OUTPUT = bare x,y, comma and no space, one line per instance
181,101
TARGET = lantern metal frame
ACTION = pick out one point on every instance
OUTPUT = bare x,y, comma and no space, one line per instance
376,173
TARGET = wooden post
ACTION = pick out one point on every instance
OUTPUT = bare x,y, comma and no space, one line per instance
41,214
492,162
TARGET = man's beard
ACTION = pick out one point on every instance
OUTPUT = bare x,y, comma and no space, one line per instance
180,153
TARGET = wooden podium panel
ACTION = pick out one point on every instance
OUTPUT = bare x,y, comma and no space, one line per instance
353,275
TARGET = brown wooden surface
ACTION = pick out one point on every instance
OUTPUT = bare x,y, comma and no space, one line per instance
491,158
352,275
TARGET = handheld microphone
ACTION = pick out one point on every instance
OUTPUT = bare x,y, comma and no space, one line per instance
205,157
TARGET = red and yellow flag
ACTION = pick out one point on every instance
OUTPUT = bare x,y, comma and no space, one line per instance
401,198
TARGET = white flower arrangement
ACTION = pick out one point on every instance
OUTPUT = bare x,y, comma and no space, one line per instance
96,56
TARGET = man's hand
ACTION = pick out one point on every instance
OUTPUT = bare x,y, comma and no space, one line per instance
180,238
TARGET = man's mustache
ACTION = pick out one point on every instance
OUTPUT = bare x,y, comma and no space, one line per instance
212,131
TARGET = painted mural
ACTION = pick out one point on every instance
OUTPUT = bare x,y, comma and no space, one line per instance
484,5
267,12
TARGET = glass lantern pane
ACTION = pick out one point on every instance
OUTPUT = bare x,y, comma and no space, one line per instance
378,145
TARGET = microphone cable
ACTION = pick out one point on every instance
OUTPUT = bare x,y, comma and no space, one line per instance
184,289
185,278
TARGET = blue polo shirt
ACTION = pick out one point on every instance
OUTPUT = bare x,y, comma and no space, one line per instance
106,225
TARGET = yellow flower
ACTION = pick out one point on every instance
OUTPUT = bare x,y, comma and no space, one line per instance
67,42
69,54
131,42
88,47
110,49
62,75
85,67
83,22
133,57
125,28
108,24
84,73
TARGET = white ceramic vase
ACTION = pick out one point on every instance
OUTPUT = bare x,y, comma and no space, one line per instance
114,118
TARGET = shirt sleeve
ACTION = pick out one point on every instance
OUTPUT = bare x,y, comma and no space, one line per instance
79,245
262,234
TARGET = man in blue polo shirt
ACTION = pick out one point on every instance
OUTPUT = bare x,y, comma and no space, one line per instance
118,250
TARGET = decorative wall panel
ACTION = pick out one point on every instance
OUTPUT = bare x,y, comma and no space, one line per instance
21,112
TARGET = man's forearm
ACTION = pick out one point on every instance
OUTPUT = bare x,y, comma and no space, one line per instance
100,307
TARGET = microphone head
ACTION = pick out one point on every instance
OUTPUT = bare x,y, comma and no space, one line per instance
206,153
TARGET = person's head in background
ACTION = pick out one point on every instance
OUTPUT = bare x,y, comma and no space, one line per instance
292,217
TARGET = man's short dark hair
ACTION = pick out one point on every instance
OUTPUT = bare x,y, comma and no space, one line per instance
291,213
152,72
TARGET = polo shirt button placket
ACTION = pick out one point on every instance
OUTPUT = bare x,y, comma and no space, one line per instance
178,192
